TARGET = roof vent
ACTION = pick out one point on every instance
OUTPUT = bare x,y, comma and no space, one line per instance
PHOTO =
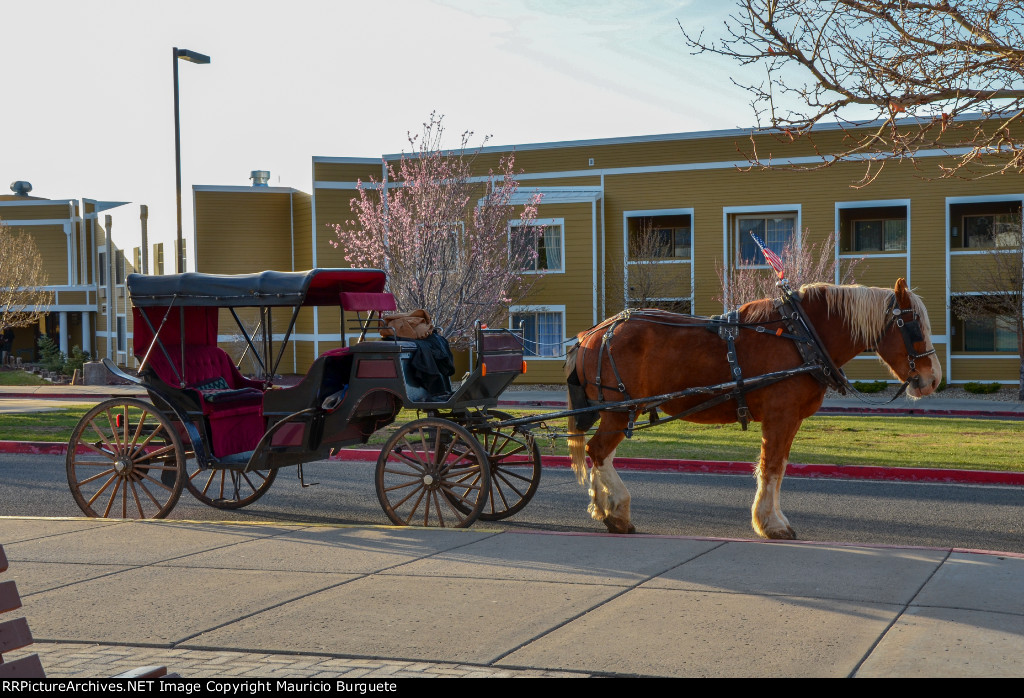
259,177
21,188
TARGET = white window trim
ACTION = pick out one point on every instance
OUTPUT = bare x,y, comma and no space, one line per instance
560,222
950,202
644,213
874,203
626,215
988,250
541,309
994,353
730,227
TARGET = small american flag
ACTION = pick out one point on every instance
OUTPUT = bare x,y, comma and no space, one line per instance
773,259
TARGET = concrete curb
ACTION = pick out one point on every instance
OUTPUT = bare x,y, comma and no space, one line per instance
840,472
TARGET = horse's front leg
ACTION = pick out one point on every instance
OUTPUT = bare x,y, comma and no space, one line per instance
766,512
609,498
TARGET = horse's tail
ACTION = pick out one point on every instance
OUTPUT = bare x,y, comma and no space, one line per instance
576,440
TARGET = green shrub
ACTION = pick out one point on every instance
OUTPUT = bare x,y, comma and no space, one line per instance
870,386
942,386
53,358
75,361
982,388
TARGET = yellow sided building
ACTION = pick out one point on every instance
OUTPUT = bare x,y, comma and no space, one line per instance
85,264
696,193
700,196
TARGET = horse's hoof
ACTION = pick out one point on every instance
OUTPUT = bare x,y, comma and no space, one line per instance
615,525
782,534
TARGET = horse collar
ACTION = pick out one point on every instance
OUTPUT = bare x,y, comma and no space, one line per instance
812,350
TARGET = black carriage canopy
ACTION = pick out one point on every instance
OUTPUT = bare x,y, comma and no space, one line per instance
183,309
268,288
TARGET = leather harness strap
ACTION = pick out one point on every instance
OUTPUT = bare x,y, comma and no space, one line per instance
729,330
813,351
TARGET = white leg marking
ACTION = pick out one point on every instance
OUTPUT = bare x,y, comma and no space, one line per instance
608,495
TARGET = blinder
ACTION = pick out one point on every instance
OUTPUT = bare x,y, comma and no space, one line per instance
910,331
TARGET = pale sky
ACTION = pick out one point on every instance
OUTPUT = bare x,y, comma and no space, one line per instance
88,92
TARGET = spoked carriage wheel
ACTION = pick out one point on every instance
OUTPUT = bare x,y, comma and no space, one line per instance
433,472
224,488
515,467
125,460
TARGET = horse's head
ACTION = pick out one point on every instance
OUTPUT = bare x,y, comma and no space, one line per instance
905,344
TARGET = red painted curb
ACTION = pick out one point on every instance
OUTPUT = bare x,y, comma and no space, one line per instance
841,472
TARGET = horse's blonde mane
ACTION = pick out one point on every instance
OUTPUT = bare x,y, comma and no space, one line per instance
863,307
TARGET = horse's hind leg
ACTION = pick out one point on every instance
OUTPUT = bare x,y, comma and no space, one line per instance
609,498
766,512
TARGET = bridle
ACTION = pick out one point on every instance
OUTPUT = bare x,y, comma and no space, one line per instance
910,331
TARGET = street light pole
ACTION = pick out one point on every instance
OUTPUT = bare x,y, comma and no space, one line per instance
192,57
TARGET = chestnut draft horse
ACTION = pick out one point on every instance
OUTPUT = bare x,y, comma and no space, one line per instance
647,353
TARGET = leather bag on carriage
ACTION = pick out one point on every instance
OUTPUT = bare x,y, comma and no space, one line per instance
412,325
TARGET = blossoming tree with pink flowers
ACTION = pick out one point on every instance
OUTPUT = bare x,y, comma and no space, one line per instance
453,242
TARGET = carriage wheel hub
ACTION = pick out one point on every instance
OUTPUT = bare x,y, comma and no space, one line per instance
428,480
123,465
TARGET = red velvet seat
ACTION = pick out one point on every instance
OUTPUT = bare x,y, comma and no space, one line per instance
232,403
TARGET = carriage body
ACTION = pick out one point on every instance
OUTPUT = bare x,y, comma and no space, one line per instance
228,434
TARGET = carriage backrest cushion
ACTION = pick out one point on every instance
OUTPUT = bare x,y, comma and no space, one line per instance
368,302
199,325
204,365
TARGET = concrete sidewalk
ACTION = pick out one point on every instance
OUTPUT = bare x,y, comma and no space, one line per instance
273,600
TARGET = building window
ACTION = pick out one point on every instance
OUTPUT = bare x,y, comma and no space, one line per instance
543,331
995,334
541,245
119,267
101,268
992,230
981,324
873,227
158,258
880,235
778,232
660,237
122,333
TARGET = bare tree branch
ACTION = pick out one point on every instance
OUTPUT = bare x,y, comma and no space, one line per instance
898,77
448,242
805,262
23,300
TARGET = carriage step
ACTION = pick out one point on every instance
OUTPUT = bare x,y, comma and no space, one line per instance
235,461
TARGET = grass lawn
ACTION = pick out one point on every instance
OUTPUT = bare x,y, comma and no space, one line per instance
19,377
913,442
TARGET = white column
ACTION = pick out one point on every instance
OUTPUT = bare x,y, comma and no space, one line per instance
87,332
64,346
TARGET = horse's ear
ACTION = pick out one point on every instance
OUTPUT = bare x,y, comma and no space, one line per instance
901,286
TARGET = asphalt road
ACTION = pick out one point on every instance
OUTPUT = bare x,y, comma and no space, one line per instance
897,513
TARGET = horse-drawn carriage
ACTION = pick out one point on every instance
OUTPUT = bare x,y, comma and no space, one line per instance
223,437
